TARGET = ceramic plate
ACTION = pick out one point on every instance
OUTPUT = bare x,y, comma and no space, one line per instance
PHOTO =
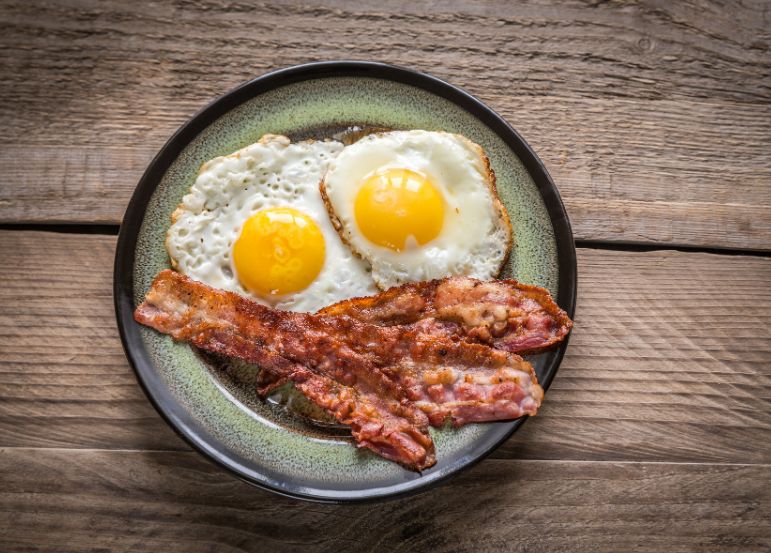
269,443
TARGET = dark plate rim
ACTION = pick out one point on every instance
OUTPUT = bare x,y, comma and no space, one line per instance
123,278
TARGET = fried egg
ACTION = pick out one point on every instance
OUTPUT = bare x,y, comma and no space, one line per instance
418,205
254,223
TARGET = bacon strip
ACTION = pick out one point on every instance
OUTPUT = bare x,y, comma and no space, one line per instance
228,324
505,314
387,383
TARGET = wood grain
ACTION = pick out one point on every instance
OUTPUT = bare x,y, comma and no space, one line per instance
65,501
654,118
64,379
670,359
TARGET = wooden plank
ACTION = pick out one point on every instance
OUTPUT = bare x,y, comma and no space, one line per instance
67,501
670,359
654,120
64,379
674,351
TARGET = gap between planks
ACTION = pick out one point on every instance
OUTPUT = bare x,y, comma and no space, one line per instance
621,246
566,461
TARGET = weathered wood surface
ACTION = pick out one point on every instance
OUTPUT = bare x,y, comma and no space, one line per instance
653,117
66,501
670,359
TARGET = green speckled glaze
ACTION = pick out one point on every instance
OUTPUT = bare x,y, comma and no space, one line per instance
254,431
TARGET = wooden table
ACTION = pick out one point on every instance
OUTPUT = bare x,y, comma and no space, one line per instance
655,122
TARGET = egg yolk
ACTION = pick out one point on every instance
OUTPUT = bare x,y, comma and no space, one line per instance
280,250
395,204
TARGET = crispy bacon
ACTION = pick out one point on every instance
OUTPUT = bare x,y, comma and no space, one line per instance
387,382
505,314
228,324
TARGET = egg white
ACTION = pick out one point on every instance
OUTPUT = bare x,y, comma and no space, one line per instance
230,189
476,234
